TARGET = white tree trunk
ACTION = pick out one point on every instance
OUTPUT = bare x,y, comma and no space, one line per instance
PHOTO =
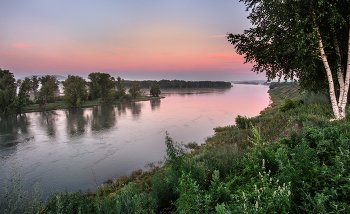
339,72
330,78
344,99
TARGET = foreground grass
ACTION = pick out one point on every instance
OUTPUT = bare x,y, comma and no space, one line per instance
290,161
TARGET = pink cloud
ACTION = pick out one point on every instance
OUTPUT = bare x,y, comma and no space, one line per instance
219,36
23,46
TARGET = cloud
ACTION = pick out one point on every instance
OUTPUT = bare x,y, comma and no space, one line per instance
122,49
23,46
219,36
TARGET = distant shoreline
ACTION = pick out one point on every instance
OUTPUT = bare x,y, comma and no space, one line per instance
59,105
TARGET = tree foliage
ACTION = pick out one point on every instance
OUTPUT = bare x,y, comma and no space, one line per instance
34,84
49,86
307,40
135,89
23,93
8,88
75,92
155,90
94,86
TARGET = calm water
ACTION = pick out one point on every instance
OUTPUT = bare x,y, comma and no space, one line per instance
75,148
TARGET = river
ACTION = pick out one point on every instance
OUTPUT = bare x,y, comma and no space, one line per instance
83,147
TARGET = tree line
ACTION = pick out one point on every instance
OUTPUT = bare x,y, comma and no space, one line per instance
76,90
167,84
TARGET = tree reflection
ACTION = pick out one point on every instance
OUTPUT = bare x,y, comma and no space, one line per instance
48,121
13,130
155,104
103,117
135,108
76,121
121,109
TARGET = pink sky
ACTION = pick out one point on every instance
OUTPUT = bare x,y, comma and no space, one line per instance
147,39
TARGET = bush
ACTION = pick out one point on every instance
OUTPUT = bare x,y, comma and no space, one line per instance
243,122
290,104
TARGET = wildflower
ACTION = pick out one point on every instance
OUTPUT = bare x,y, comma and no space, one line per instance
256,205
274,193
243,195
288,192
255,187
244,206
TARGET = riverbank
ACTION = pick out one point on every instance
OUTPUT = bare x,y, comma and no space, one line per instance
289,159
62,105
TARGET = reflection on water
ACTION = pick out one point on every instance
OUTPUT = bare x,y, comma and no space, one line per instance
155,104
103,117
47,120
61,148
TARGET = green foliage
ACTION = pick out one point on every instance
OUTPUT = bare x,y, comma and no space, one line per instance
48,90
135,89
16,199
243,122
94,86
155,90
284,41
290,104
8,88
75,92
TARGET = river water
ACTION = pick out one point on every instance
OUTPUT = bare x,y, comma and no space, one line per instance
83,147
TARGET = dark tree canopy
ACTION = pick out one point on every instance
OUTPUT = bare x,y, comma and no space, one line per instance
48,90
135,89
75,92
305,39
155,90
8,88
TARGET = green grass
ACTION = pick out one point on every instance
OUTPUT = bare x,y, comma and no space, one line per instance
293,160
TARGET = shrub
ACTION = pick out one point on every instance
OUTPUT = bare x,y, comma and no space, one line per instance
243,122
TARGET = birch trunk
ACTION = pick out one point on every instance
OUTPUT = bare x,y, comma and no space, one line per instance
344,100
330,78
339,72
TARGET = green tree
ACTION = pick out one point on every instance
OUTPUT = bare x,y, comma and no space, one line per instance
49,86
8,88
75,92
155,90
34,84
94,86
23,93
135,89
107,84
300,39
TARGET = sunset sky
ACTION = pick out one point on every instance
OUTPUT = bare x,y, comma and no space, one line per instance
133,39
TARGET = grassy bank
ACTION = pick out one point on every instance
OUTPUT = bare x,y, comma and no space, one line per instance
62,105
290,159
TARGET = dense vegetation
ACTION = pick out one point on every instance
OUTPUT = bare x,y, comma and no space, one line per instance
77,92
307,40
294,160
165,84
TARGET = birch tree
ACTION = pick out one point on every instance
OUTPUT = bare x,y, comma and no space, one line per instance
304,39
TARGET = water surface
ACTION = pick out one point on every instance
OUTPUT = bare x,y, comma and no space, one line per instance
79,148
